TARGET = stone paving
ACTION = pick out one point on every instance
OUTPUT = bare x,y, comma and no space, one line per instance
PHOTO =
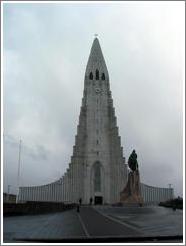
49,226
150,221
95,222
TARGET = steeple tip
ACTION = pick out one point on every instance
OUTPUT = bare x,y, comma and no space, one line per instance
96,38
96,60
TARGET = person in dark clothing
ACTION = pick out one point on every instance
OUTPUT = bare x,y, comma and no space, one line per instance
80,201
91,201
78,209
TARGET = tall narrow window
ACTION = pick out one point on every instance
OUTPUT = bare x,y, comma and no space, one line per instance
97,74
91,76
103,76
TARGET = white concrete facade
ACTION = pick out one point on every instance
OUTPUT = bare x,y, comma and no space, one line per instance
154,195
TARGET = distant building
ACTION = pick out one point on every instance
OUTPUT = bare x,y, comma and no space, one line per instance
9,198
97,169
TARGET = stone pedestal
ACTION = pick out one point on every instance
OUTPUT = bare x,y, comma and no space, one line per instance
131,193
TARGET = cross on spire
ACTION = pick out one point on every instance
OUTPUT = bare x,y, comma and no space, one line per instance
95,35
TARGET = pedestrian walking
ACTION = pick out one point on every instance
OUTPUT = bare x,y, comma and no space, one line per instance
78,208
91,201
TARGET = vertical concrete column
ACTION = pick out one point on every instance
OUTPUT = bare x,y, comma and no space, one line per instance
147,192
164,193
65,187
68,190
62,189
27,193
158,195
161,194
50,192
34,193
47,193
72,183
39,189
44,193
41,193
22,194
57,190
30,193
75,182
152,191
55,187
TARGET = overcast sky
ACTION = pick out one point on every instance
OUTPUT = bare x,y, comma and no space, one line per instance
46,48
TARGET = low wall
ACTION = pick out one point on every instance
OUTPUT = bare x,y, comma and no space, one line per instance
29,208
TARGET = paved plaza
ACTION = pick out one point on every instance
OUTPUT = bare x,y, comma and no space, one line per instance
150,221
95,222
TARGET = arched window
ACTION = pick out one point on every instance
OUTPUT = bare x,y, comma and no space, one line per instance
97,74
103,76
97,177
91,76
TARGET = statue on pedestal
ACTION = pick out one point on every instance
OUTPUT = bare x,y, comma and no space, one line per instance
131,194
132,162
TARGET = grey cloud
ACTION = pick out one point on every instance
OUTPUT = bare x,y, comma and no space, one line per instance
46,48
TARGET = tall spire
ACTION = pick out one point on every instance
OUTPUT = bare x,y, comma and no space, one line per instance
96,60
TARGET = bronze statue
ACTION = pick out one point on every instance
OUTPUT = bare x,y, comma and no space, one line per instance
132,162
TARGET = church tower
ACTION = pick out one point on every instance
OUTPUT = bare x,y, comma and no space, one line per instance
97,167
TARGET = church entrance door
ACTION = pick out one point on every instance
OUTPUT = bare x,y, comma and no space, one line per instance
98,200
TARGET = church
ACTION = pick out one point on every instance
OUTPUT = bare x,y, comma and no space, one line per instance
97,170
